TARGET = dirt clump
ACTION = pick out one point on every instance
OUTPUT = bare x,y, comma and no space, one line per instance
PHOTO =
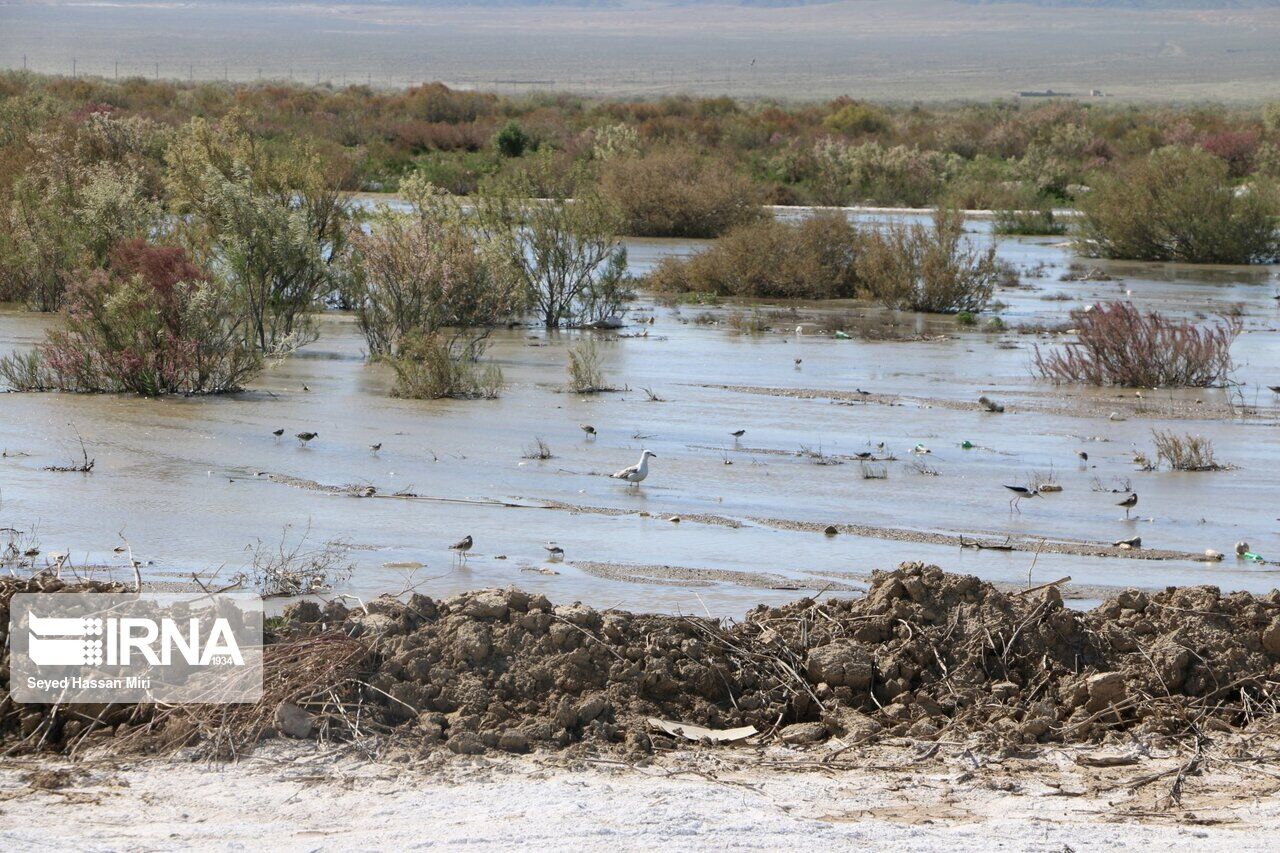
924,654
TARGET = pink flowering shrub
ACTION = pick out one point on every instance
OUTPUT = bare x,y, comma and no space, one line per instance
151,322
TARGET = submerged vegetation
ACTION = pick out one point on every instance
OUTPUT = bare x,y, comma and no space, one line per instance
186,233
1180,204
420,272
1120,345
151,323
934,269
1185,452
435,366
811,259
672,192
586,376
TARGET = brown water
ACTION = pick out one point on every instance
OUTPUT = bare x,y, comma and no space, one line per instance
177,476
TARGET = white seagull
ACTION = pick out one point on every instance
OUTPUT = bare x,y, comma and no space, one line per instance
636,472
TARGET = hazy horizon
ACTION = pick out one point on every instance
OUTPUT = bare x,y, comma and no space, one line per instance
916,50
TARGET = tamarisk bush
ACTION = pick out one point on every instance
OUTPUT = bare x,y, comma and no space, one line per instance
1120,345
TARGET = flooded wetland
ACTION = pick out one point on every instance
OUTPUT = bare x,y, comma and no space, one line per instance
198,485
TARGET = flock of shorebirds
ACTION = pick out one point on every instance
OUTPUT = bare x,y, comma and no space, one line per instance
639,472
633,475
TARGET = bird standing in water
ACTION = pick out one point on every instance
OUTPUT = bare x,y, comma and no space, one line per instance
1020,492
637,472
1129,503
376,447
738,433
588,429
278,432
554,551
304,437
462,546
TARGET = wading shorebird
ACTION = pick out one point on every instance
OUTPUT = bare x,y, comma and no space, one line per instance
554,551
1020,492
1129,503
588,429
462,546
637,472
278,432
738,433
304,437
376,447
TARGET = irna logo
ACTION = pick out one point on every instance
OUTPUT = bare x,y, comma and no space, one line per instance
91,641
176,648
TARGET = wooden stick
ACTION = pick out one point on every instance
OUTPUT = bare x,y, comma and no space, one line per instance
1041,586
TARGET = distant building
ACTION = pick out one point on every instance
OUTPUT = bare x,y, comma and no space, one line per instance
1047,93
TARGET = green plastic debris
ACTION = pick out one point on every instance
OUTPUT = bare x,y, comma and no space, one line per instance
844,336
967,444
1252,557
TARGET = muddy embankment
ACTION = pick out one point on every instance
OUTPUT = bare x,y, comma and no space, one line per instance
925,654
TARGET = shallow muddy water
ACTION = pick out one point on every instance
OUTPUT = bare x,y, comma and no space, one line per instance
186,480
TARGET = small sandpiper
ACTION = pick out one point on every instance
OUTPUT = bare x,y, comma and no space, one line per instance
1129,503
554,551
588,429
278,432
376,447
738,433
462,546
305,437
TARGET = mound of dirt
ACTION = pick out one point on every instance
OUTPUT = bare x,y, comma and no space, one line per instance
924,654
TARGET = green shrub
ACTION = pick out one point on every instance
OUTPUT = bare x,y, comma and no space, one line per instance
1178,204
856,118
88,188
871,173
435,366
562,254
673,192
811,259
420,272
934,269
512,141
270,218
585,373
1033,217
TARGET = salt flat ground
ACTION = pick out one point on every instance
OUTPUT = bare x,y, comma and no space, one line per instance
902,49
300,797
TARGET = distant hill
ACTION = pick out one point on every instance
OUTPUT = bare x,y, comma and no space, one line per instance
1133,4
1153,5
